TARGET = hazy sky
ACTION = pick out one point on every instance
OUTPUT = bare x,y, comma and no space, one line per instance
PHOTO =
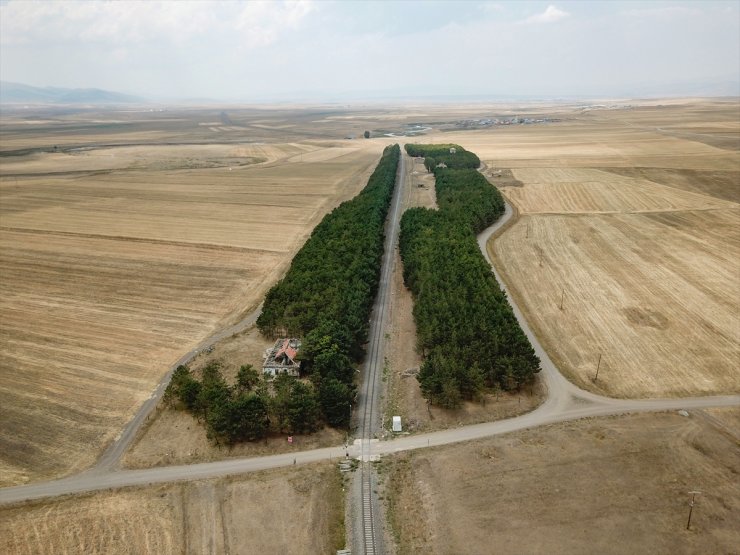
320,49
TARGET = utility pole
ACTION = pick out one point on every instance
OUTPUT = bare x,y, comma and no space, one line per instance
562,298
598,365
691,506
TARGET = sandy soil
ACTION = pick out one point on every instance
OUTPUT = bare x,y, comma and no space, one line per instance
298,510
403,395
616,485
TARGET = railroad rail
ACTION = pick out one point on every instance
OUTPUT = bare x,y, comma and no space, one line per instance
374,361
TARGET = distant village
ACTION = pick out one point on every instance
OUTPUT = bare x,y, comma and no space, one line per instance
415,129
492,122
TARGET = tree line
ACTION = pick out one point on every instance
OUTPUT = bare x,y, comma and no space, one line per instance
466,329
451,155
248,409
326,298
328,292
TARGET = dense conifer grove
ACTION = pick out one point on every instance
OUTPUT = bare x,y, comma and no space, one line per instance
328,292
325,298
451,155
466,330
248,409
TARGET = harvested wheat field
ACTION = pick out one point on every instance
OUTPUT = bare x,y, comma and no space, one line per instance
642,135
634,228
111,272
610,485
229,515
656,295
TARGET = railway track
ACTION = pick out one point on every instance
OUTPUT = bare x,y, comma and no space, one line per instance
369,413
368,521
565,402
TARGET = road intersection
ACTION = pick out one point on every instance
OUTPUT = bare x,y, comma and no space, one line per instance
564,402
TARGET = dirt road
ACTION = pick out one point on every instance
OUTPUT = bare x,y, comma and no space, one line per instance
548,413
564,402
112,456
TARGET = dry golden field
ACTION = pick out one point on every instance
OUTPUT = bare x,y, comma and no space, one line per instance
284,511
116,261
648,135
609,485
656,295
635,224
128,236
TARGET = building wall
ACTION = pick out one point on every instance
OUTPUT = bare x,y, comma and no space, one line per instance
274,370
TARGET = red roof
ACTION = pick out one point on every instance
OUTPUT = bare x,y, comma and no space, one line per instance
287,350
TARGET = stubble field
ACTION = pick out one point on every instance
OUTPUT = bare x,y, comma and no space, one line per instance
283,511
116,261
120,255
654,295
629,218
614,485
633,227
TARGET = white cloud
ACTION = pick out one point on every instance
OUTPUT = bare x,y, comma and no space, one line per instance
550,15
238,50
262,22
101,22
259,23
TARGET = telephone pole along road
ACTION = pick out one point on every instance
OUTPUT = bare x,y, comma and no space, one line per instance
564,402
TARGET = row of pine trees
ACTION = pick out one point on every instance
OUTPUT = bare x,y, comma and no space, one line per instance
467,333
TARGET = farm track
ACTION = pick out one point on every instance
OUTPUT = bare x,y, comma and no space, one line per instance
80,147
211,246
111,458
565,402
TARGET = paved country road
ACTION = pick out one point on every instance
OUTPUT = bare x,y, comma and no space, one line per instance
564,402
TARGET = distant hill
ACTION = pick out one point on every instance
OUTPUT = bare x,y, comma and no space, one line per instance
15,93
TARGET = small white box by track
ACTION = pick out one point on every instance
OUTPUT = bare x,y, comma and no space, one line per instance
397,424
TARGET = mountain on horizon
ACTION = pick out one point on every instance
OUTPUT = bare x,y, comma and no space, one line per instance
19,93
